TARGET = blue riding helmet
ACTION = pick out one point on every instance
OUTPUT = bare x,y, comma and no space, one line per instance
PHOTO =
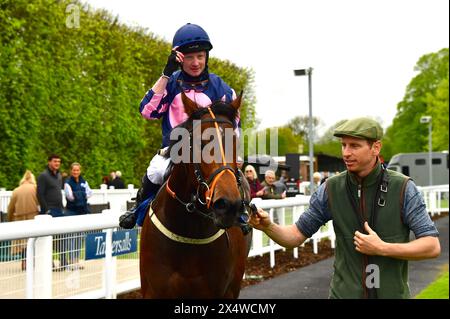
191,38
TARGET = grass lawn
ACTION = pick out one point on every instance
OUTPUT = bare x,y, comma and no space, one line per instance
437,289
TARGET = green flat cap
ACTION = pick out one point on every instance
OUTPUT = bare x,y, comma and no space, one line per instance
361,127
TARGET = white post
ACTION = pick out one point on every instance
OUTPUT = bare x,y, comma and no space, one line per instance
272,244
109,276
30,267
430,150
295,215
315,242
43,258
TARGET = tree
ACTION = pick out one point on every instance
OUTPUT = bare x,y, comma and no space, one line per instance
299,126
76,91
328,143
438,108
427,92
288,142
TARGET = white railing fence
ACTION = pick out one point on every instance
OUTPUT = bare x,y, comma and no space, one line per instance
436,198
47,240
117,198
52,241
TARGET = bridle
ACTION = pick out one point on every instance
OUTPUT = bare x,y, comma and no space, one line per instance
209,184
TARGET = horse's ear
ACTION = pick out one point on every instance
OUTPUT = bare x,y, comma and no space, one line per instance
189,106
236,103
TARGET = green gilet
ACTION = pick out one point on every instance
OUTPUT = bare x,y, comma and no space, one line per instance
350,266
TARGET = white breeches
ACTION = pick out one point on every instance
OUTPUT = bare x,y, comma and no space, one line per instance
157,168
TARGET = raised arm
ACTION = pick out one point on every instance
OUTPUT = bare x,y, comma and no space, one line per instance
152,105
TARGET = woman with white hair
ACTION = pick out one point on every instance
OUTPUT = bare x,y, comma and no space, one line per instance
256,189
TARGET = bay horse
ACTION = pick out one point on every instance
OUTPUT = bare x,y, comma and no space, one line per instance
191,242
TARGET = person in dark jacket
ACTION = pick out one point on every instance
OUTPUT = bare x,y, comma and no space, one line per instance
77,192
373,211
49,188
273,189
50,200
117,181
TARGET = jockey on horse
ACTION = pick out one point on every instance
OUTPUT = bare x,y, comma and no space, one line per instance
190,50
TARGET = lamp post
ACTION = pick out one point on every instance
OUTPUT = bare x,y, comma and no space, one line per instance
308,72
425,120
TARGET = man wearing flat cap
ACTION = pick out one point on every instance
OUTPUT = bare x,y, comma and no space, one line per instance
373,211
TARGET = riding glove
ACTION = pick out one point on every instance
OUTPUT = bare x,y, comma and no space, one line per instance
172,64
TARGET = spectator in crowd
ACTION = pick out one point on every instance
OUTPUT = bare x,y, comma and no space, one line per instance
22,206
105,180
256,189
305,186
77,192
325,176
117,182
239,162
373,211
64,176
112,176
284,177
317,177
49,188
272,188
50,200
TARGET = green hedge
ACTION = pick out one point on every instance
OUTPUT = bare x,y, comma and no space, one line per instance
76,91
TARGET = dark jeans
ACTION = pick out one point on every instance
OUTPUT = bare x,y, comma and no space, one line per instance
74,240
60,245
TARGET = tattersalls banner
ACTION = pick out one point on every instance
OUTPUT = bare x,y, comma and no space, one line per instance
123,242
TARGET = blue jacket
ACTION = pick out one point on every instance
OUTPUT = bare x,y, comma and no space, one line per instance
76,195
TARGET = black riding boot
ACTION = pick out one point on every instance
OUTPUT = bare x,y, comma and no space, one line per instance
129,218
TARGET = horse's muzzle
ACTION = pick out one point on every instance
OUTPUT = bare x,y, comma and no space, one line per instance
226,212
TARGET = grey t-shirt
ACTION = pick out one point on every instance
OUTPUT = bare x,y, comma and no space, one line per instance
415,214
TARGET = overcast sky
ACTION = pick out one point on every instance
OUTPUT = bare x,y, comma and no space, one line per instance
362,52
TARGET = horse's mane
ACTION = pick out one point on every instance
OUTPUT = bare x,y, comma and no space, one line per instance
219,108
